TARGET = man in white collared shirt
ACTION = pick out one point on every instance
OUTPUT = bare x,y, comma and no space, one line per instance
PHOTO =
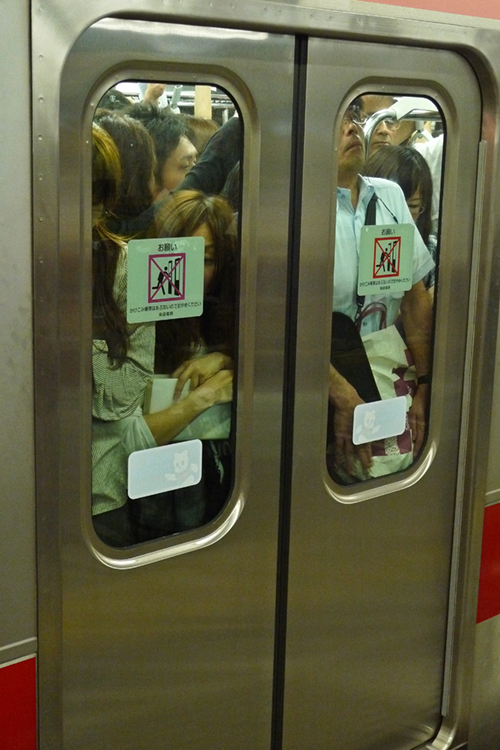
353,196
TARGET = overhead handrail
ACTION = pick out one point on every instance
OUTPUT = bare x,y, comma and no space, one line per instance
174,99
414,108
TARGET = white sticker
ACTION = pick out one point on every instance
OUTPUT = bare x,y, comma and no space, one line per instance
165,468
385,259
165,278
379,419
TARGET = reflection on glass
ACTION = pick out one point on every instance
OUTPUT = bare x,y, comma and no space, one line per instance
386,252
163,172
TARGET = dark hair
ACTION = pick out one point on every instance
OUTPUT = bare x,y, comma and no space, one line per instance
108,320
137,157
231,192
183,214
166,130
200,130
407,167
106,169
113,99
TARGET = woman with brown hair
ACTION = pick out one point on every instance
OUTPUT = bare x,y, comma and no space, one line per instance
190,213
199,350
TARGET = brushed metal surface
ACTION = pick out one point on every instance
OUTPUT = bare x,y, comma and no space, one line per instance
94,704
177,653
17,480
369,581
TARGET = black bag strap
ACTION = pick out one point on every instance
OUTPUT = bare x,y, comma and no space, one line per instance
349,358
371,211
370,220
348,354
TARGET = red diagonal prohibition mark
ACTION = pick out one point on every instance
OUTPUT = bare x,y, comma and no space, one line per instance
385,257
165,276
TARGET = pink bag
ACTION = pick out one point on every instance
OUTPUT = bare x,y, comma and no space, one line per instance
395,375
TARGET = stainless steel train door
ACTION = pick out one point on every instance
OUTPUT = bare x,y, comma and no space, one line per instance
169,643
173,643
371,577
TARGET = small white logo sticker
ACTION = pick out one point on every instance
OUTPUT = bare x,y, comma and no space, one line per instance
165,468
379,419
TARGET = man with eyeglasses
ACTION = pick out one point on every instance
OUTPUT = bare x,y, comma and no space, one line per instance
357,198
388,132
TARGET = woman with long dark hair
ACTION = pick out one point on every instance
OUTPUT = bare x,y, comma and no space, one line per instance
132,212
122,356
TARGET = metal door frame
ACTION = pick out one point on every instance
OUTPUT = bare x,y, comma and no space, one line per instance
55,27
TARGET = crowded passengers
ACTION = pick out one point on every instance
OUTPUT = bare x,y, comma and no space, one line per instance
159,174
381,330
141,157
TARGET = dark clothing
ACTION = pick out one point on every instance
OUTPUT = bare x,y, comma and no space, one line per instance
209,175
221,153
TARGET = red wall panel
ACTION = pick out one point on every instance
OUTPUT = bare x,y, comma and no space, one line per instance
489,579
18,705
480,8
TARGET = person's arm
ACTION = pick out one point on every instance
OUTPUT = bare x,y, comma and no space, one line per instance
345,399
166,424
221,153
200,369
117,391
153,92
416,314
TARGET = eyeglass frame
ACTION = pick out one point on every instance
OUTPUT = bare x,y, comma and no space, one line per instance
419,207
349,116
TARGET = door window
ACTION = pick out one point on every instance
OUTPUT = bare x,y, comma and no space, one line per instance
390,152
165,248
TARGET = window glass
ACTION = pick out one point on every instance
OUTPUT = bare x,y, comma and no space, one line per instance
385,271
165,219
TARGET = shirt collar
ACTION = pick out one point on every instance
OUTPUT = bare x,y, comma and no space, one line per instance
366,190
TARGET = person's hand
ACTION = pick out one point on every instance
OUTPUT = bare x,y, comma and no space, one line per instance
345,450
216,390
345,399
417,417
199,370
154,91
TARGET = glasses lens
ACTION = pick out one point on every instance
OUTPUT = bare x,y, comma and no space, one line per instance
392,124
353,114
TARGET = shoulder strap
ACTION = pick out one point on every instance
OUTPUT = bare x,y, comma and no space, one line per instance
370,220
371,211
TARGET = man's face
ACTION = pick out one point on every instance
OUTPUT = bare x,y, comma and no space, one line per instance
351,149
384,135
178,164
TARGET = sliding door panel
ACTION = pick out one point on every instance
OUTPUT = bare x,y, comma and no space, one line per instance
371,547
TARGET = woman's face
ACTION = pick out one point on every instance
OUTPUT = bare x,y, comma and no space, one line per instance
209,274
415,204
